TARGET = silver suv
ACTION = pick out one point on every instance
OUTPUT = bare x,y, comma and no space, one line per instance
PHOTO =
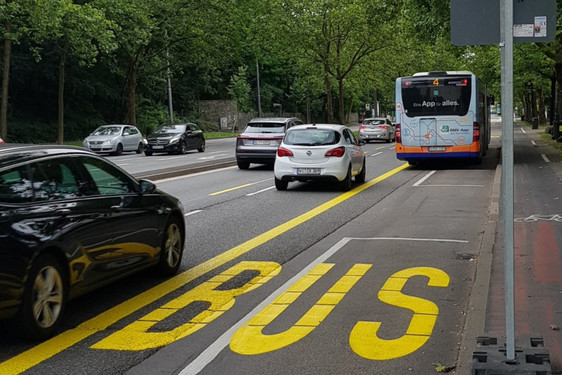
260,139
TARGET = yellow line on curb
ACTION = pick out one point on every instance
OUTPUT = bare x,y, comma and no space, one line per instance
65,340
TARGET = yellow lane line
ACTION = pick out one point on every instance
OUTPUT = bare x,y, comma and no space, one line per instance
65,340
231,189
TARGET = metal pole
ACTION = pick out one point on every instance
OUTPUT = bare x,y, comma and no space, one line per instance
506,47
258,80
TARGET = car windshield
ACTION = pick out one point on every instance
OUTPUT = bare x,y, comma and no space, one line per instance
107,130
312,137
265,128
170,129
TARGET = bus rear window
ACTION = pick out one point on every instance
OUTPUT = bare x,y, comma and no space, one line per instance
436,96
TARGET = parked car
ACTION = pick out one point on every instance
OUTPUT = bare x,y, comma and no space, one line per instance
175,139
115,139
376,129
71,221
259,141
319,152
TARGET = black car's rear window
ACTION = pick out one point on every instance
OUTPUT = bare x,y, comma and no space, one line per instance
312,137
266,127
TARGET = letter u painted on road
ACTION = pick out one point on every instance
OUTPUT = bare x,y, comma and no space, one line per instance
363,338
250,340
136,336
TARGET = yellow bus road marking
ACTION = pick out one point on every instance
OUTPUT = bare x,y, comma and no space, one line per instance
65,340
242,336
364,340
231,189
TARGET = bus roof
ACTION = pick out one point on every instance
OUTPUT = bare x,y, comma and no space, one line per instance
442,73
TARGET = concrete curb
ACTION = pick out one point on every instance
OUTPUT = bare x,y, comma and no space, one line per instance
475,322
174,172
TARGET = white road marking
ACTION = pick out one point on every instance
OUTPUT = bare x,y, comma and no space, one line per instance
451,185
545,158
192,213
424,178
260,191
378,153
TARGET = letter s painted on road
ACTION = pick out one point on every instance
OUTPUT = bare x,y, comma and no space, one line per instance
363,338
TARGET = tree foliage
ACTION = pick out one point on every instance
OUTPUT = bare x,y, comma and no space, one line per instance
74,64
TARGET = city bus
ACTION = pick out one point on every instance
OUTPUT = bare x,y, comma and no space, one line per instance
441,115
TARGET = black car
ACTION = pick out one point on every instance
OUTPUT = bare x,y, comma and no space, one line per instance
260,139
71,221
175,139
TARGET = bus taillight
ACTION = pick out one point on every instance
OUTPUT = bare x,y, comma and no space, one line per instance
398,134
476,132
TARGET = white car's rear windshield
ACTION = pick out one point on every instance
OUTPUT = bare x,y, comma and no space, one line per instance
312,137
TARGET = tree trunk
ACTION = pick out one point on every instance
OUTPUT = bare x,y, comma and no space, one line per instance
329,97
558,74
5,83
341,105
60,123
542,109
552,109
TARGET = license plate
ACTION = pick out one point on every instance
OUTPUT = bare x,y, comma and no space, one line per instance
258,142
157,147
312,171
436,149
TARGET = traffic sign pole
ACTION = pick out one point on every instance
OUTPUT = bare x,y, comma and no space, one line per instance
506,47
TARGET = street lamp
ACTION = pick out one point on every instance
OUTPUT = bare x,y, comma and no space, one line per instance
278,105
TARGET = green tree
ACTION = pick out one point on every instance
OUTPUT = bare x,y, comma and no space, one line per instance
12,16
338,35
239,90
78,31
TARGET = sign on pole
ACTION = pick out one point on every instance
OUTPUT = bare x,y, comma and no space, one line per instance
477,22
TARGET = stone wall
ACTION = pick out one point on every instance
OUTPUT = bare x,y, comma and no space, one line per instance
223,115
219,115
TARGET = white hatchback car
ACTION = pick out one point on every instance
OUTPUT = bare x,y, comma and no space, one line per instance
322,152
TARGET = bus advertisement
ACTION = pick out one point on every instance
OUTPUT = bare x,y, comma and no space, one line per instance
441,115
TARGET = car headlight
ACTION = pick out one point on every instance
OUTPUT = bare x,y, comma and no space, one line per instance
175,140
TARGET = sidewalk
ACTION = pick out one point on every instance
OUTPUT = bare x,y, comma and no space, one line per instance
537,259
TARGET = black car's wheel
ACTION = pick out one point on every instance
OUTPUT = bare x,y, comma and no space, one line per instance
172,248
345,184
44,298
280,184
243,164
119,150
148,153
360,178
201,146
182,148
140,148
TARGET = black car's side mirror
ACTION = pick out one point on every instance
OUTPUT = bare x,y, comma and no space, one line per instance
147,186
